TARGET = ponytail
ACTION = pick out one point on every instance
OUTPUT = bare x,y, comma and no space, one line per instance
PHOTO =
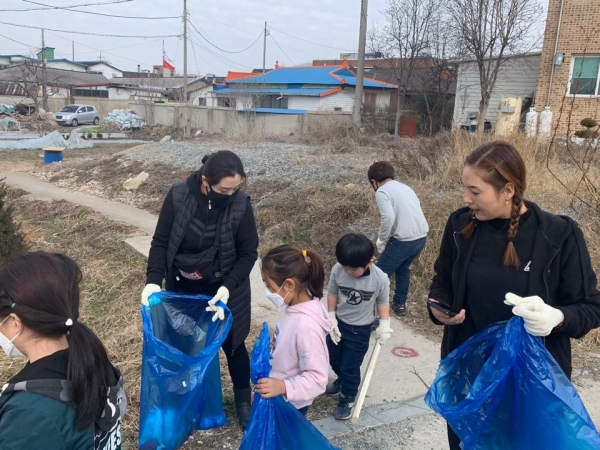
305,266
90,374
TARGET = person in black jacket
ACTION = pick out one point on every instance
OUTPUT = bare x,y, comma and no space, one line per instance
206,243
501,248
68,395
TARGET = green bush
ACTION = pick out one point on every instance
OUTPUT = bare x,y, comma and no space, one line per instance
89,135
99,135
11,238
588,133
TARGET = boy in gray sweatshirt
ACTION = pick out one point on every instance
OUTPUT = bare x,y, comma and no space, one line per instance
356,288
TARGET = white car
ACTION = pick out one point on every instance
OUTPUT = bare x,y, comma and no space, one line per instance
77,114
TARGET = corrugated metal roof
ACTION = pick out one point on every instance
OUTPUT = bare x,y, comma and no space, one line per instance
285,91
275,111
329,76
54,77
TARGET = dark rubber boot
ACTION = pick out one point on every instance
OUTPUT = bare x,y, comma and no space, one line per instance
242,405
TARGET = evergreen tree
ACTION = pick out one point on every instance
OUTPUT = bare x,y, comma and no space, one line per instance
11,238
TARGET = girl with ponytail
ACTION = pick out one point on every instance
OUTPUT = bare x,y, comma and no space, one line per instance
501,255
294,280
68,395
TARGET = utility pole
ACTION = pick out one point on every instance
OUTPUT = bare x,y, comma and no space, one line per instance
185,51
44,90
73,49
264,47
362,38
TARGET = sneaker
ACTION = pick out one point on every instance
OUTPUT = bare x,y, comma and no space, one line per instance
343,411
334,388
399,309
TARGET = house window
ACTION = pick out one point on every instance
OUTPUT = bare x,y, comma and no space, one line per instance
224,102
202,101
274,101
89,93
584,75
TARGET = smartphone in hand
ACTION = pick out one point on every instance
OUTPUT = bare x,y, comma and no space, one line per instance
446,309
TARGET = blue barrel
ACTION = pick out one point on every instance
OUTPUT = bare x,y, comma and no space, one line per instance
53,154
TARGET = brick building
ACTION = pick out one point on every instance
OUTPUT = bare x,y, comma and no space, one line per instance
572,63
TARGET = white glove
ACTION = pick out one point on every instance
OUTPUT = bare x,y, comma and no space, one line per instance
334,334
380,245
383,331
540,318
149,289
223,295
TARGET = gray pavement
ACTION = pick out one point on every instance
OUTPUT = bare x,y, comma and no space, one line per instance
407,363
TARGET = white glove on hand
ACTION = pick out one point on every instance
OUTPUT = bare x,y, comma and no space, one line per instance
380,245
334,334
149,289
383,331
540,318
223,295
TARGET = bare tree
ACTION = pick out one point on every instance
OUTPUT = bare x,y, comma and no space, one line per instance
28,80
404,39
488,31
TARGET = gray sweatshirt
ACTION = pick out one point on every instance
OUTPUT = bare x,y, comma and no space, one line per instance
358,297
401,215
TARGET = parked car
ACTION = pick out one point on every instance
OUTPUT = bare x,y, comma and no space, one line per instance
77,114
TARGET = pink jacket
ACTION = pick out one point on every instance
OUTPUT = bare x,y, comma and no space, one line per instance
300,356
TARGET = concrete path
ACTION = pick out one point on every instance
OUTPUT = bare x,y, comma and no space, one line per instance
406,363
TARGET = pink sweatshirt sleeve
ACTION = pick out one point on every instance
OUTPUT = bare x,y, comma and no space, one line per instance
314,367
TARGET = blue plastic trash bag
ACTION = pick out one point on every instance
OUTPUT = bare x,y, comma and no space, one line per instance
274,423
181,377
502,390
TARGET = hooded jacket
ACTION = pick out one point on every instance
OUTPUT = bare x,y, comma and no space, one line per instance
561,274
300,356
37,414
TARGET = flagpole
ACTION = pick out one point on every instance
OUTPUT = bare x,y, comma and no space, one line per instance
185,51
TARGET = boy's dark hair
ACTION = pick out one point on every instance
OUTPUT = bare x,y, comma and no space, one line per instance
354,250
224,163
381,170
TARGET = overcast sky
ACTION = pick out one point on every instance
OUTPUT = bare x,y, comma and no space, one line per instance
331,26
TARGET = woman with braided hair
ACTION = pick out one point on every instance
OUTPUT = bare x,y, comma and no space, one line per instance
502,255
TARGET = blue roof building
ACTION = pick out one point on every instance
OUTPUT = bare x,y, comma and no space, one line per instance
300,88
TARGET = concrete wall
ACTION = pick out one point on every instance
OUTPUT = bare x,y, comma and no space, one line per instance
226,120
517,77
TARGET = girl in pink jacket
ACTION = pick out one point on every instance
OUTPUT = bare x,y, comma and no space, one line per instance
300,365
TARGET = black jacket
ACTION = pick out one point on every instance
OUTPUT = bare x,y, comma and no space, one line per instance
237,253
561,274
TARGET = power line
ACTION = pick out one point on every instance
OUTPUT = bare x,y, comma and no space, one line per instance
310,42
22,43
116,48
222,23
220,58
86,33
218,48
65,7
102,14
282,49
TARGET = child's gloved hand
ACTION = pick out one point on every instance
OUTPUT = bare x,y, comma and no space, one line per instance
540,318
383,331
335,333
223,295
149,289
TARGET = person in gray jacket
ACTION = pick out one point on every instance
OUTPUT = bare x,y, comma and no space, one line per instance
402,230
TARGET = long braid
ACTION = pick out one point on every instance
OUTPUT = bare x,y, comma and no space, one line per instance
511,258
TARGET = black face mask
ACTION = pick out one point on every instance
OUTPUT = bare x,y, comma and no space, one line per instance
219,201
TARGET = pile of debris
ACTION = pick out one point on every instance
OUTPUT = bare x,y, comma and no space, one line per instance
126,118
9,124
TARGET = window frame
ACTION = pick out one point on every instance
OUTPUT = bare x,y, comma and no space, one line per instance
572,68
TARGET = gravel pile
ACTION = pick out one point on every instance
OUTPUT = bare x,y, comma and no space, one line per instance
295,162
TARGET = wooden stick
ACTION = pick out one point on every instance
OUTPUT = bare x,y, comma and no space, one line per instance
364,386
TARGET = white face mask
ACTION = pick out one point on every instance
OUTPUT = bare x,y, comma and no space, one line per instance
275,298
8,346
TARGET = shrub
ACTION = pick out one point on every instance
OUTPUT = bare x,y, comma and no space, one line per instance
89,135
587,133
99,135
589,122
12,239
